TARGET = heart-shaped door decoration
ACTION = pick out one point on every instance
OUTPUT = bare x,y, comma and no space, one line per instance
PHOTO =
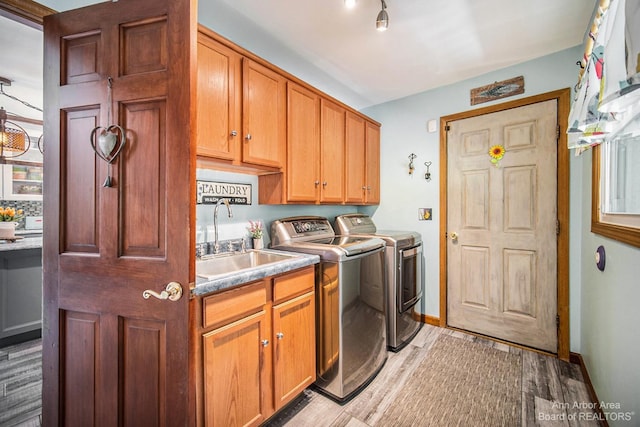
108,143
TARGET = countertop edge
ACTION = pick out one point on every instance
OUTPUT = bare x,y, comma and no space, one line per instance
25,243
204,286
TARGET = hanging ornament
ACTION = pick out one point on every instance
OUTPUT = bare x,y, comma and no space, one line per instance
107,142
496,152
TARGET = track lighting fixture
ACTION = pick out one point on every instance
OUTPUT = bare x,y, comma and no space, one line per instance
382,22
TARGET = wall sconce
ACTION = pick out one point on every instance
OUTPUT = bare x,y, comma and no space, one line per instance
427,174
411,168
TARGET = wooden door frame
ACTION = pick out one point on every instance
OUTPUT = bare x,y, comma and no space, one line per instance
562,96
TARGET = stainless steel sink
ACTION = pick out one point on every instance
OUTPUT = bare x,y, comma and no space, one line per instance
224,265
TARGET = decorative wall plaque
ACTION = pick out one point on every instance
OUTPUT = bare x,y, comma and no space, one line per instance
209,192
497,90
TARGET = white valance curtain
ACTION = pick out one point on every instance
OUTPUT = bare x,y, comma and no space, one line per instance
606,100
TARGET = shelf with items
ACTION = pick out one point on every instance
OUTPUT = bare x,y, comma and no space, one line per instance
22,182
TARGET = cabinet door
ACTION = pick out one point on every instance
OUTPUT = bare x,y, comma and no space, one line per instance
332,147
218,97
303,144
237,369
355,159
295,347
372,163
263,115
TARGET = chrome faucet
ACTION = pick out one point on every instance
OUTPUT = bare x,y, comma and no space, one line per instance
216,244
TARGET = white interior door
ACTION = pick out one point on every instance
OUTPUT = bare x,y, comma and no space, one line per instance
502,225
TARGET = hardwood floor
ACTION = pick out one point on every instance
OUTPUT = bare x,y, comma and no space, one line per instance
21,384
550,388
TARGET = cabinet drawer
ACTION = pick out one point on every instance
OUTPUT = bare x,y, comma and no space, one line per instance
233,304
293,284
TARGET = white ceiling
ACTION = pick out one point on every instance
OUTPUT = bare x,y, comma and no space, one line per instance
429,43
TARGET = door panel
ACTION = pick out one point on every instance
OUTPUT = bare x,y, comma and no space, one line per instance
332,148
502,265
111,357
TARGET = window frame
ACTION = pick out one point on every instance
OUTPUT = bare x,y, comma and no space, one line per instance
619,232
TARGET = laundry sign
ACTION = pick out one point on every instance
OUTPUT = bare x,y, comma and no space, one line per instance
209,192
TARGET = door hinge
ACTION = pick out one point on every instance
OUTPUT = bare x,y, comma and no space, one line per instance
557,227
557,132
557,321
447,128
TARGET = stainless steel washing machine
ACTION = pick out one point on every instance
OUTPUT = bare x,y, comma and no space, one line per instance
404,277
351,324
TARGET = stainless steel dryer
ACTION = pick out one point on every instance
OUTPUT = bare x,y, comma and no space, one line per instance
404,279
351,327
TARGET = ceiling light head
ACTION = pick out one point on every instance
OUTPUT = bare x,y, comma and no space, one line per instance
382,21
350,4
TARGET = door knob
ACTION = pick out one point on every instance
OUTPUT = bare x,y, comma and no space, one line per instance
454,236
173,292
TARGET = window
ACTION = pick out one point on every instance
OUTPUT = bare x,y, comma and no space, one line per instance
615,210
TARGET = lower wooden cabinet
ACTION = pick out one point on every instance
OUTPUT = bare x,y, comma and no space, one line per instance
261,352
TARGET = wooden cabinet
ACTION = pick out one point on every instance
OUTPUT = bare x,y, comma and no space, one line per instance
218,100
303,144
258,348
362,165
241,108
263,115
372,163
332,152
294,332
355,159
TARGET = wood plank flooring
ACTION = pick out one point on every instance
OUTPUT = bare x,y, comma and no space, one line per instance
21,384
550,388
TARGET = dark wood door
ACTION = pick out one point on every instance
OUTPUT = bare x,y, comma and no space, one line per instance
110,356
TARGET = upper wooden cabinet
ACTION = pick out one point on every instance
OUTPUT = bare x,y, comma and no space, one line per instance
362,165
306,146
355,159
241,108
218,100
303,144
332,152
263,115
372,163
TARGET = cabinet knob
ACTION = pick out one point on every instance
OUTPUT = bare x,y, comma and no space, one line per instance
248,137
279,335
234,133
364,187
264,343
316,183
324,184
